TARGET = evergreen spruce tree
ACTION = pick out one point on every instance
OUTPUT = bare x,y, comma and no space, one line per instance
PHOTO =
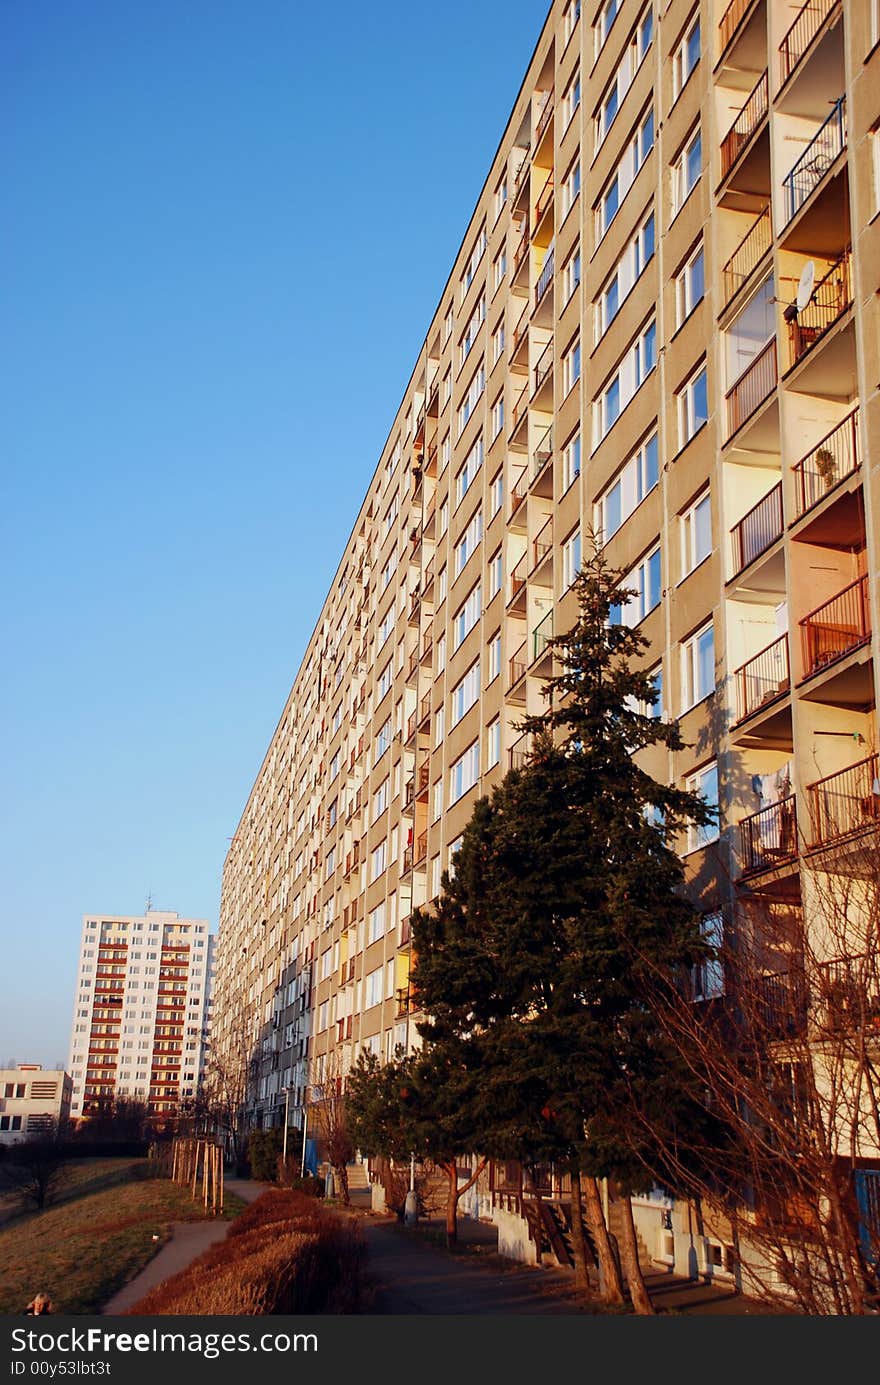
565,901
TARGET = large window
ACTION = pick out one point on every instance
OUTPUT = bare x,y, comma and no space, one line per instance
571,461
637,477
705,783
472,396
571,99
617,88
634,153
571,366
468,470
645,581
697,667
630,375
708,976
571,186
696,533
465,693
693,405
571,558
476,255
466,617
686,170
686,56
472,331
690,285
464,774
469,541
636,255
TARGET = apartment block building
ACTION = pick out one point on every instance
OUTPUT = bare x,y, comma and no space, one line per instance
142,1011
33,1101
661,329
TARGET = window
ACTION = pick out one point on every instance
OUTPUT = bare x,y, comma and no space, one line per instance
447,386
464,774
571,559
630,62
494,658
696,534
385,679
602,27
630,375
697,667
686,171
466,473
693,406
493,743
626,273
654,709
443,517
472,397
500,197
472,330
374,987
571,100
376,928
498,343
634,153
707,977
705,783
571,366
466,617
689,287
495,574
638,476
496,494
473,262
441,585
441,654
380,800
383,740
437,801
447,325
499,270
645,581
465,693
571,461
468,542
439,726
569,19
571,274
378,860
686,56
571,186
498,416
386,626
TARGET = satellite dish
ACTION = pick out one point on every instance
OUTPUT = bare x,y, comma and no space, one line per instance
805,285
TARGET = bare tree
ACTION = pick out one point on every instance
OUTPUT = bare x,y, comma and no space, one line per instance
785,1048
227,1087
35,1167
327,1112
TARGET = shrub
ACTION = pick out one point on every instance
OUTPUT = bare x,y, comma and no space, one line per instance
289,1176
264,1147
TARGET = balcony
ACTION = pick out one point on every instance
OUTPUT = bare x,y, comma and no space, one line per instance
782,1004
519,358
421,849
516,667
519,416
540,478
797,40
544,116
521,252
768,838
747,256
848,990
519,489
745,125
845,803
543,205
541,637
542,384
425,712
423,779
763,679
404,1002
518,583
831,460
757,530
518,755
542,548
837,627
545,278
730,22
754,386
831,298
810,169
521,176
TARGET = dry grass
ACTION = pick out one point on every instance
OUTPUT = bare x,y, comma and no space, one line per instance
86,1247
285,1254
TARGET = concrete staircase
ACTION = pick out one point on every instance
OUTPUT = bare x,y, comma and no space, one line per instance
357,1177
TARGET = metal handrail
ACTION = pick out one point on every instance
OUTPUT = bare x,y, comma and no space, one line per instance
800,35
747,255
835,456
746,123
845,802
763,678
837,627
808,172
758,529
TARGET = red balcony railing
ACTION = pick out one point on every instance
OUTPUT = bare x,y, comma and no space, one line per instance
517,665
745,125
519,489
757,383
836,627
768,838
835,457
747,255
763,678
846,802
543,544
518,578
807,24
730,21
830,299
758,529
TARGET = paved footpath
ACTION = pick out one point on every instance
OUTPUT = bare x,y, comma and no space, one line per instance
189,1240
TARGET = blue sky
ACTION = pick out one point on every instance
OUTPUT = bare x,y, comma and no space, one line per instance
222,223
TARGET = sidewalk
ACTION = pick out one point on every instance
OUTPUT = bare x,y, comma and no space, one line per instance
189,1240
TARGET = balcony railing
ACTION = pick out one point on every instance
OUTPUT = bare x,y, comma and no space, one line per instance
847,988
757,383
520,330
543,367
421,850
802,32
837,627
830,299
522,249
783,1003
835,457
545,197
544,116
844,803
518,578
763,678
543,544
747,255
730,21
768,838
542,635
758,529
817,158
517,665
522,171
520,407
542,453
518,754
545,278
519,490
745,125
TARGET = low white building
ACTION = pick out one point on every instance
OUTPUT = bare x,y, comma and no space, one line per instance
33,1100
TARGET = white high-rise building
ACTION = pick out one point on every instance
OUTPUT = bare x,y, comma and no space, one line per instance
142,1010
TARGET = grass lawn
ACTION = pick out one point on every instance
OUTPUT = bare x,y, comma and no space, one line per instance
89,1244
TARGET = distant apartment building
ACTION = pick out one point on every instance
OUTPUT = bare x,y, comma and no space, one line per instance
33,1101
662,327
142,1011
